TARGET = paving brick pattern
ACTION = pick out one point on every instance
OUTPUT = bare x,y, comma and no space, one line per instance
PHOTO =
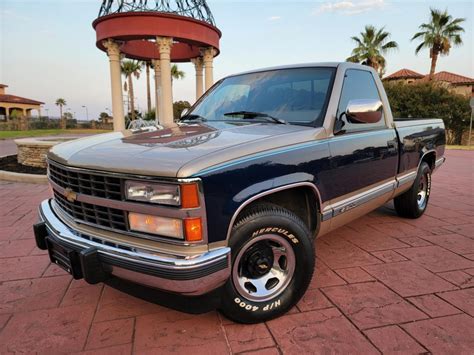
382,284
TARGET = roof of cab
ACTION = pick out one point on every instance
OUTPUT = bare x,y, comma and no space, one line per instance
343,65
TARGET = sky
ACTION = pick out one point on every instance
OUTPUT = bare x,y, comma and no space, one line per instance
47,47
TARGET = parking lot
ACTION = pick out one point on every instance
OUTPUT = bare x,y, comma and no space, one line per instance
381,284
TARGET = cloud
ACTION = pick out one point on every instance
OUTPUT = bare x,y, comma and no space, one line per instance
274,18
349,7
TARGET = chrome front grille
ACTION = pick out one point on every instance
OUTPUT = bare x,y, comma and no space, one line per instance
95,198
86,183
98,215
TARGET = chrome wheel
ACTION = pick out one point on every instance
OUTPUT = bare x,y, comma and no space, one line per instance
422,192
263,268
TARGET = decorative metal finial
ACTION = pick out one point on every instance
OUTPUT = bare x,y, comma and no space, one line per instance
196,9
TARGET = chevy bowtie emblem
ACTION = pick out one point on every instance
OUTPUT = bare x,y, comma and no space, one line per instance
70,195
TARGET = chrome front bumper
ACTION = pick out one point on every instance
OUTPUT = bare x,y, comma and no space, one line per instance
195,275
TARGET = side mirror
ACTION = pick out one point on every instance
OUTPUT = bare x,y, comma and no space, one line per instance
184,112
364,111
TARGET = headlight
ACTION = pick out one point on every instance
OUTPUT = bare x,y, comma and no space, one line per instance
165,194
168,227
184,195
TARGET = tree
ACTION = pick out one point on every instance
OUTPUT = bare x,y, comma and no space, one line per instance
71,122
130,69
103,117
371,47
176,73
178,107
61,103
68,116
439,35
150,115
147,65
427,100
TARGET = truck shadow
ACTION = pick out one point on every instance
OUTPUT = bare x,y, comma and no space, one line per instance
211,301
186,304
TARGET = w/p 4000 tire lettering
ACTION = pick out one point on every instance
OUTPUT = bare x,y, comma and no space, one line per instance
272,264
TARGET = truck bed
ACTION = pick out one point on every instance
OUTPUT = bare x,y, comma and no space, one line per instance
415,141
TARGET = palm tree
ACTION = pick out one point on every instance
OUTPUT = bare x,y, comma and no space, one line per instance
61,103
131,68
147,65
176,73
371,47
439,35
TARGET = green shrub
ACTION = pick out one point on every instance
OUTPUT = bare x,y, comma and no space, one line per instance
430,100
178,107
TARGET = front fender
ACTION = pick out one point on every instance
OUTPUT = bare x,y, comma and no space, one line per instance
228,190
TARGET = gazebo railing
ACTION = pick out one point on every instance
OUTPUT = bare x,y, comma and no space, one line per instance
196,9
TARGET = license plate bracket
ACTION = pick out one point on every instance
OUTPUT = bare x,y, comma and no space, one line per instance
65,258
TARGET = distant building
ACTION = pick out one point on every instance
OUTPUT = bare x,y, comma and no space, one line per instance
406,76
459,84
11,105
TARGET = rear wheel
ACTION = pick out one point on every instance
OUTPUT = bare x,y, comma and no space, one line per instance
272,264
413,203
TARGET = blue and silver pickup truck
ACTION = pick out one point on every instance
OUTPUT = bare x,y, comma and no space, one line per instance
232,197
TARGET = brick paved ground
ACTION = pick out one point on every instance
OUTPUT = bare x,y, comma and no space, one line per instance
382,284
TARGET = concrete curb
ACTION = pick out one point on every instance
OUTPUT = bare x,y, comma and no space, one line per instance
27,178
20,177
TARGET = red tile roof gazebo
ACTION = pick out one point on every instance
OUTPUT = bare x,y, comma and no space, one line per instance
12,104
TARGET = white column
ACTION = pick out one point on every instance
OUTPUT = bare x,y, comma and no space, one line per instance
158,105
113,52
166,113
198,65
208,58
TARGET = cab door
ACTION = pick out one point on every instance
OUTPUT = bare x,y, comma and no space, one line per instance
364,156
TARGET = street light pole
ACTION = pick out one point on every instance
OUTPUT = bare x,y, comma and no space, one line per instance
87,112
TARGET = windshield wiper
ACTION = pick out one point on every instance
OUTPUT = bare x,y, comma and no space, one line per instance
252,114
193,117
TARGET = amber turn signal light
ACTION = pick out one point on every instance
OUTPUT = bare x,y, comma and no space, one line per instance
193,229
189,196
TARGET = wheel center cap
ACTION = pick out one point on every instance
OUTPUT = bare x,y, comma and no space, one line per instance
263,266
259,262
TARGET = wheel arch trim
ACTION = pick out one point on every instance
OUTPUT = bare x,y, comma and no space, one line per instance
249,200
424,155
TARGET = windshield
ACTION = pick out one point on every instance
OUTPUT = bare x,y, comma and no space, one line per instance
296,96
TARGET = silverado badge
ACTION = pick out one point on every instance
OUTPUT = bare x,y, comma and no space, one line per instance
70,195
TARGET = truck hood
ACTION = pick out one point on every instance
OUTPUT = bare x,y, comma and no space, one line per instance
178,152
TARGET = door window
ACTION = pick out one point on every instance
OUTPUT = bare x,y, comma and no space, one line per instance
358,84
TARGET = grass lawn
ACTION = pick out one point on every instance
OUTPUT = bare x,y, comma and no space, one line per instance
460,147
47,132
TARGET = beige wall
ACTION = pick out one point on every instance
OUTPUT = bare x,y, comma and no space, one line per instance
404,81
22,107
465,90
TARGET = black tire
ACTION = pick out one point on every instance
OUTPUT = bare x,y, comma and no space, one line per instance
267,235
412,203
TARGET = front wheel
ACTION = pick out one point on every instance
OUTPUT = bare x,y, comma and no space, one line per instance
413,203
272,264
